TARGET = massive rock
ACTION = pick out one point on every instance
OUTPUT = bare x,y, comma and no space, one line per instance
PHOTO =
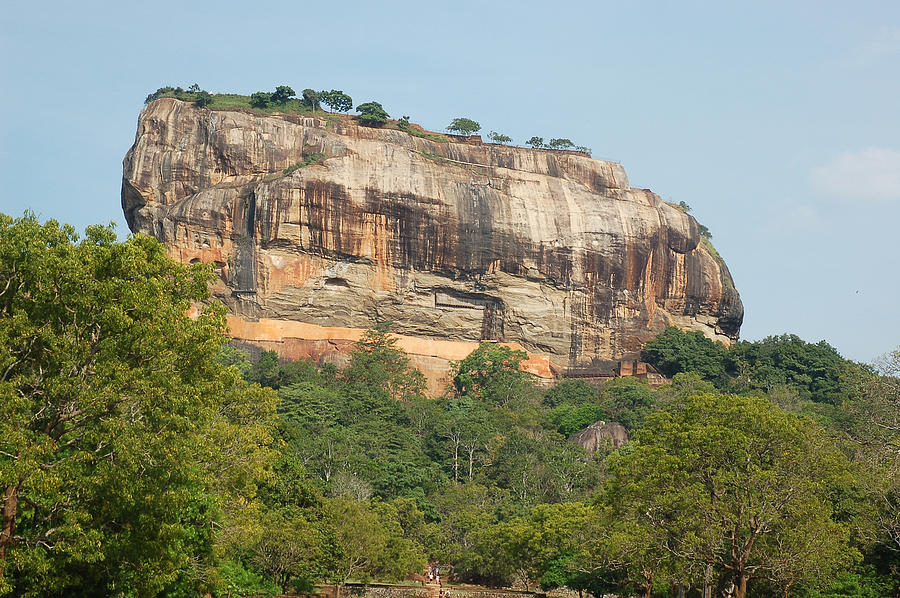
455,242
601,435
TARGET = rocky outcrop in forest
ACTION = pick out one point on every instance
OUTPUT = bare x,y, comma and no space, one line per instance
319,228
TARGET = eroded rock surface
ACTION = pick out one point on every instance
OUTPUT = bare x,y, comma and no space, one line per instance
454,242
601,435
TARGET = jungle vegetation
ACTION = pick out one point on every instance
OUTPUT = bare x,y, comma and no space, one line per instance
142,455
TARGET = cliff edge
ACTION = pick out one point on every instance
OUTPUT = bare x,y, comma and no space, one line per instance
454,242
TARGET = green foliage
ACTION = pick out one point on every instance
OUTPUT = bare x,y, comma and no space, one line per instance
492,373
463,126
377,363
532,547
337,100
575,404
536,142
116,416
559,144
204,99
628,401
675,351
814,370
582,148
260,99
854,584
372,114
499,137
733,483
162,92
283,93
314,158
372,542
311,98
237,580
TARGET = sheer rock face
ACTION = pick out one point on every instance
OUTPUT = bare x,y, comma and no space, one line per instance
454,242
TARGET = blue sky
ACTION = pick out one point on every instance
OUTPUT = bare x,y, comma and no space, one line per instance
776,121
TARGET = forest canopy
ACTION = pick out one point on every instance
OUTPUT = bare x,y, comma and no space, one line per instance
141,454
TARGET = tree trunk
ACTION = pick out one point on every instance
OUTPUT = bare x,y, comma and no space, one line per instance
740,590
707,582
10,510
787,587
648,586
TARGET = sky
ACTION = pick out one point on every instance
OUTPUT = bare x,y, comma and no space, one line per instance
777,122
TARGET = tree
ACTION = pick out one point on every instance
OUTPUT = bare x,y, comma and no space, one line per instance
377,363
372,114
282,94
535,142
311,98
875,403
814,370
527,548
337,100
575,404
492,373
371,541
204,99
260,99
562,143
463,126
674,351
291,548
736,484
628,401
194,88
582,148
499,137
115,415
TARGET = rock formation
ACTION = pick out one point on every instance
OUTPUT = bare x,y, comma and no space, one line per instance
601,434
455,242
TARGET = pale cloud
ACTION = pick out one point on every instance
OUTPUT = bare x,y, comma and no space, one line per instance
871,174
883,44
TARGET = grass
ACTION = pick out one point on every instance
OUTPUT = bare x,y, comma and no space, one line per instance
234,101
310,159
707,244
436,157
416,132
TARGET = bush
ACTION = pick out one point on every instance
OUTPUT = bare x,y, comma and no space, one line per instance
203,100
372,114
260,99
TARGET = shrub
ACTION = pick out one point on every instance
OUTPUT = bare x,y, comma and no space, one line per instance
260,99
372,114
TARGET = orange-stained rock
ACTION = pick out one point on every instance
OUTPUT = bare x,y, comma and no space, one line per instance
454,242
433,357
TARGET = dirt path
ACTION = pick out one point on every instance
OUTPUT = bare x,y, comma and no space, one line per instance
434,589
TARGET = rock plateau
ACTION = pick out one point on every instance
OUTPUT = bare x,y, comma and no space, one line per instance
454,242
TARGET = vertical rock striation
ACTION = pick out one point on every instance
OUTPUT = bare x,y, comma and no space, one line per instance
454,242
